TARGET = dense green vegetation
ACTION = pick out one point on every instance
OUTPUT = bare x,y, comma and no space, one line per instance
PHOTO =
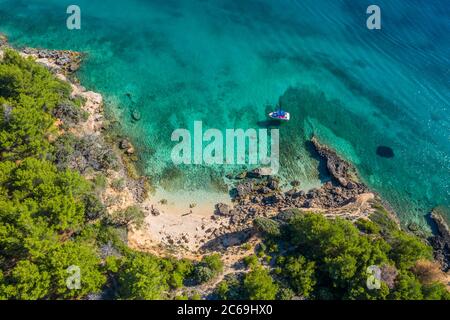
311,257
50,216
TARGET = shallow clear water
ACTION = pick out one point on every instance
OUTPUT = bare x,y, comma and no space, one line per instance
223,62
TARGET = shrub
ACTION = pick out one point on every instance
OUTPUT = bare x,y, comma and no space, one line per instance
288,214
69,113
209,268
118,184
213,262
285,294
100,181
133,216
94,208
141,278
259,285
435,291
382,218
300,275
267,226
231,288
367,226
251,261
203,274
407,249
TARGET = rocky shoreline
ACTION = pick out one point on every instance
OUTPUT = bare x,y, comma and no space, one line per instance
65,62
62,61
441,241
256,195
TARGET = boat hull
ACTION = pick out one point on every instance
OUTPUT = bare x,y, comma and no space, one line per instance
286,117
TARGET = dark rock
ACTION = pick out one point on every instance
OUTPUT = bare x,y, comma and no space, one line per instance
222,209
136,115
385,152
258,173
271,200
155,212
351,185
441,241
241,175
265,190
295,183
439,216
244,189
340,170
292,193
308,203
272,184
328,185
124,144
256,199
413,227
234,219
67,61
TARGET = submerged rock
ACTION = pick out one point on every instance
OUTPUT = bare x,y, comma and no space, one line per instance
385,152
136,115
295,183
413,227
241,175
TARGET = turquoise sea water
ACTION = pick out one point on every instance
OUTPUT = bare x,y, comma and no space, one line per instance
224,61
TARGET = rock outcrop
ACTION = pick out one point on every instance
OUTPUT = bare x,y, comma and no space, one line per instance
64,61
441,241
342,171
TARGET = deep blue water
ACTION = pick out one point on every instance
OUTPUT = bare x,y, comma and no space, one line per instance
223,61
